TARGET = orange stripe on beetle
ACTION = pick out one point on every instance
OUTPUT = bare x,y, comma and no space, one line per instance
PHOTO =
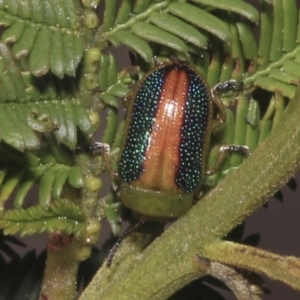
161,167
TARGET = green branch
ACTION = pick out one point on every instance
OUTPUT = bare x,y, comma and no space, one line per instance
173,254
137,18
283,268
61,268
239,284
271,67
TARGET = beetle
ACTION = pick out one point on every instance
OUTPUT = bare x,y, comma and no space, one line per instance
163,160
169,123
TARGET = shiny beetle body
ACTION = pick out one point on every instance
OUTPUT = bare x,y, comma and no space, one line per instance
164,154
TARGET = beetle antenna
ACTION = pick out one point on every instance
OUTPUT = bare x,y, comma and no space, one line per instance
115,247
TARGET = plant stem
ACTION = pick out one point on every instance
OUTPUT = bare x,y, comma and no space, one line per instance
59,281
261,261
169,262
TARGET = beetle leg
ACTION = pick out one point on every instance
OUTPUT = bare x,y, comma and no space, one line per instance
219,89
128,99
223,151
104,150
226,86
217,101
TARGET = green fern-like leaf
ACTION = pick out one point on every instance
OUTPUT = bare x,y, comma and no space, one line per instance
169,23
29,105
62,215
262,65
240,7
42,109
53,167
111,85
48,32
279,49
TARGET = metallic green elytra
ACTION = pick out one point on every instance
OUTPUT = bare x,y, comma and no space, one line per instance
164,154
